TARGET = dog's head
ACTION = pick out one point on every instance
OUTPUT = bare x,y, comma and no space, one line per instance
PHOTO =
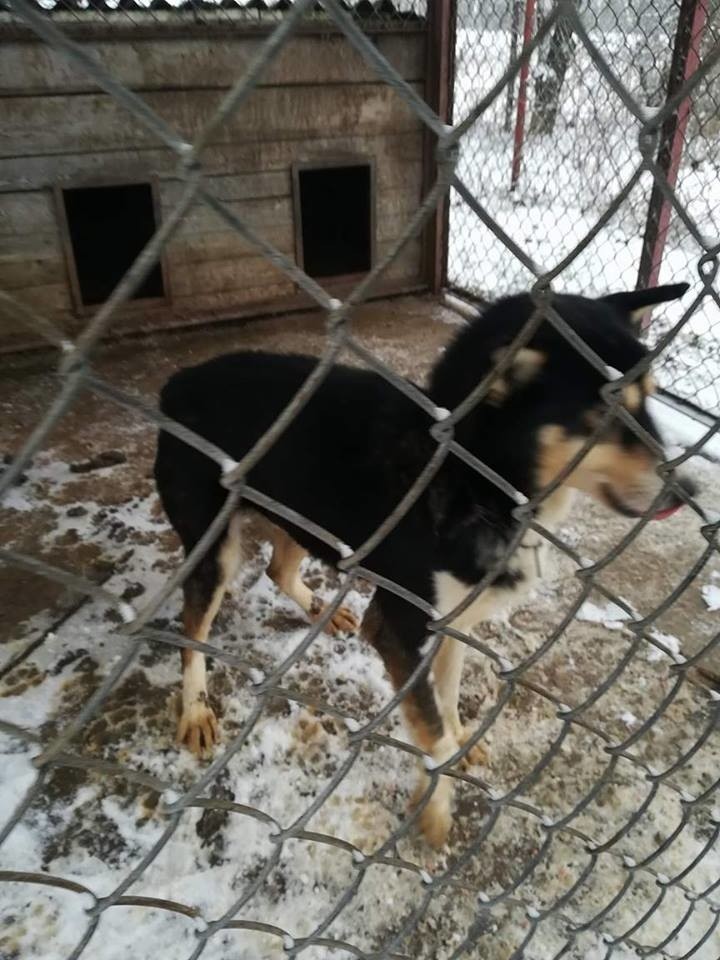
543,407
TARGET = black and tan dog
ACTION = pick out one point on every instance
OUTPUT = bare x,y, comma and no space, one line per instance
353,452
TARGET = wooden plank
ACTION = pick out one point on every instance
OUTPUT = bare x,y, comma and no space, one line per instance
31,259
18,274
203,62
204,236
52,299
392,206
259,214
392,227
192,247
392,151
391,174
407,265
217,285
226,302
395,210
41,246
217,274
235,186
221,276
50,125
27,213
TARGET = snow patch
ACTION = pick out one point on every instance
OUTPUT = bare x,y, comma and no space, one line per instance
711,596
610,615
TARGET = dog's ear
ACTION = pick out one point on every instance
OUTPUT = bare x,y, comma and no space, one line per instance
636,304
525,366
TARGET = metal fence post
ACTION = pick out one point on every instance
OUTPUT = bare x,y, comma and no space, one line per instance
692,19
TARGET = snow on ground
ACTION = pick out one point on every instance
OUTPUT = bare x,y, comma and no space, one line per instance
711,596
568,180
91,829
609,614
683,429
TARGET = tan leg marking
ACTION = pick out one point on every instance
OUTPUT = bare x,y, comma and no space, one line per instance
447,666
633,397
197,727
423,722
447,671
284,571
435,820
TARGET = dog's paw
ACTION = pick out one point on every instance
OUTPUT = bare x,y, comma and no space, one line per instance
477,755
198,729
342,621
435,819
435,822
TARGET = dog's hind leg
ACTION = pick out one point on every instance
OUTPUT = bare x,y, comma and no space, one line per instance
421,710
204,590
284,571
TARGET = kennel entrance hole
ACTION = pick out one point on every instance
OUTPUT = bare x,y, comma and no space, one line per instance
108,226
334,211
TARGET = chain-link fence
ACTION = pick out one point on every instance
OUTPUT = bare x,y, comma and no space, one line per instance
578,146
597,835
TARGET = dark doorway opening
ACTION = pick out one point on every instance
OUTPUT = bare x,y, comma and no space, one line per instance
108,227
335,205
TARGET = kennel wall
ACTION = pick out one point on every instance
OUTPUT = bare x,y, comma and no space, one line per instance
318,102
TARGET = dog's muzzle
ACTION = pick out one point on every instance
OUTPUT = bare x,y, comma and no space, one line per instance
668,505
674,499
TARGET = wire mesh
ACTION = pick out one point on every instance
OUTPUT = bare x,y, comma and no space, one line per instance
579,867
579,148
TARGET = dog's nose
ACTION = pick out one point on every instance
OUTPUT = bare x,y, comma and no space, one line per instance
688,487
673,499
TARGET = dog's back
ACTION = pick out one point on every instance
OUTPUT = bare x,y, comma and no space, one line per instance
331,464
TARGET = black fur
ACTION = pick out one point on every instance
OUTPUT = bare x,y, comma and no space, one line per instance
357,446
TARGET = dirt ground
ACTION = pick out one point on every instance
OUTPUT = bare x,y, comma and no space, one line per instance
88,504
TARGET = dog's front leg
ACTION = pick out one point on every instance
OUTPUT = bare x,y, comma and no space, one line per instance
204,590
447,672
426,728
397,635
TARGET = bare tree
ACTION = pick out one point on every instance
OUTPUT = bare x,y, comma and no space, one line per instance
550,77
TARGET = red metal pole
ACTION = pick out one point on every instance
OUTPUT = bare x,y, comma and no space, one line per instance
692,19
514,37
522,97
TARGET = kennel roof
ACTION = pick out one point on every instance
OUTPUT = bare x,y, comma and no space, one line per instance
381,10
